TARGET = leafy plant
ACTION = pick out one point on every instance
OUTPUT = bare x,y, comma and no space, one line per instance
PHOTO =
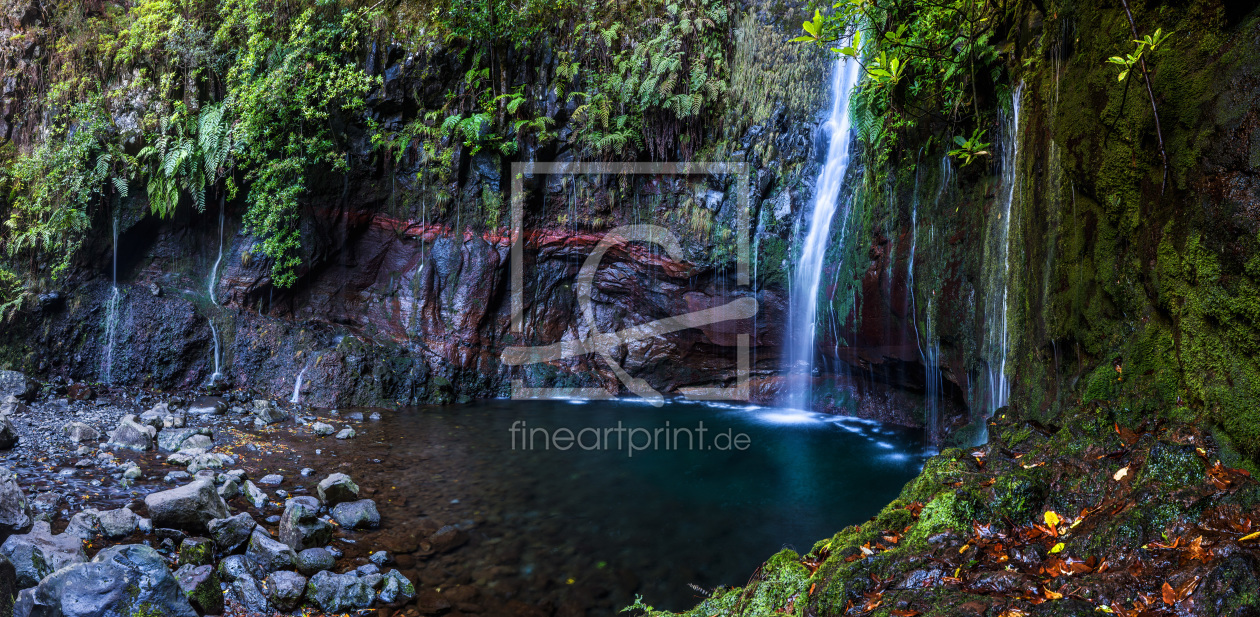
1144,44
970,148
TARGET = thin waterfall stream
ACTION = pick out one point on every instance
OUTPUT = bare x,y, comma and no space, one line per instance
997,260
803,318
111,314
210,283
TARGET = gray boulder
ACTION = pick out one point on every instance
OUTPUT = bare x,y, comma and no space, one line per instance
338,593
79,432
207,408
132,435
170,440
361,514
448,538
246,591
131,579
38,553
313,560
186,507
255,495
336,489
15,384
235,566
162,416
323,429
269,554
85,525
267,412
200,585
8,433
118,523
285,589
201,443
346,433
300,525
14,512
230,534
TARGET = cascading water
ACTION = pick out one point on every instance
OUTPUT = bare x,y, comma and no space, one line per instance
111,315
214,271
997,264
804,300
297,385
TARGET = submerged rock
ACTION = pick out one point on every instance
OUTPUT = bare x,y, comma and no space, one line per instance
187,507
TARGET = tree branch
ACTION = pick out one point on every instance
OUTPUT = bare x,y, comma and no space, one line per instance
1151,93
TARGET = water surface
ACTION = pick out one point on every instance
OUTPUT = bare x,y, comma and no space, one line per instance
585,530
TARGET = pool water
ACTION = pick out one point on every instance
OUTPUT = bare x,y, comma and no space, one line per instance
583,530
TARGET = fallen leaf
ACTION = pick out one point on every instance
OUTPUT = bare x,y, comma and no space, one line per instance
1051,594
1124,471
1058,548
1250,536
905,613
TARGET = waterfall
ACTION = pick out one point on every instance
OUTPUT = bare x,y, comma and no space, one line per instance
214,270
997,263
297,385
804,293
111,314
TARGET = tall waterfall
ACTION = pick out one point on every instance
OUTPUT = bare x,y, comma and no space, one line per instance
111,315
804,299
997,262
214,271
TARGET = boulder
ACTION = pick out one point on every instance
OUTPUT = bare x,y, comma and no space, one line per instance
11,406
337,488
396,589
170,440
132,435
209,408
322,429
346,433
118,523
130,579
85,525
229,489
235,566
255,495
14,512
246,591
186,507
201,443
269,554
200,585
196,551
271,479
231,533
285,589
338,593
8,433
79,432
379,558
300,525
314,560
162,416
361,514
8,586
448,538
79,392
267,412
15,384
37,554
